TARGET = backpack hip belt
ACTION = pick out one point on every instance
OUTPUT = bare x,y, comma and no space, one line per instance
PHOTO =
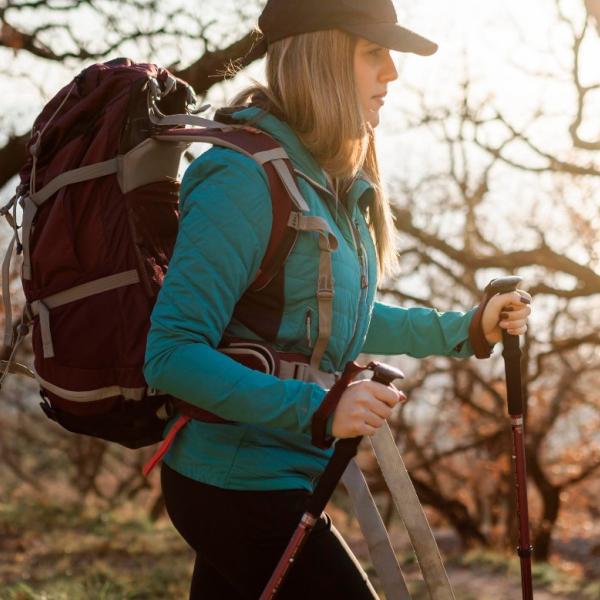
254,355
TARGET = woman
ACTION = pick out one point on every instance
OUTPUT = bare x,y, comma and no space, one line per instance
235,490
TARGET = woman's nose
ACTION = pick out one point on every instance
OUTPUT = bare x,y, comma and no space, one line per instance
389,71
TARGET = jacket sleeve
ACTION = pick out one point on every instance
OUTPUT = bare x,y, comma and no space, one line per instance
418,332
225,225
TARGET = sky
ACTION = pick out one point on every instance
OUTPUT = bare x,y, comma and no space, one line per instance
501,46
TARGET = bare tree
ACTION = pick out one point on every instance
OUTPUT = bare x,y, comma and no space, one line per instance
453,237
125,25
49,33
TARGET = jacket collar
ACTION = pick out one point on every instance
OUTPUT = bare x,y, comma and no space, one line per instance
361,191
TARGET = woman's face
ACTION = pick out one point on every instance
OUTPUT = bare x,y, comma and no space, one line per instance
373,70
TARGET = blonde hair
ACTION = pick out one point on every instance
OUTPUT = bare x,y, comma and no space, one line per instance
311,86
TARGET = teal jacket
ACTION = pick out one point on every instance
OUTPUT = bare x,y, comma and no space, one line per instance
225,224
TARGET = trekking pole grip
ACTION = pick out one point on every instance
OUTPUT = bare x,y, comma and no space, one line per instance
511,350
345,449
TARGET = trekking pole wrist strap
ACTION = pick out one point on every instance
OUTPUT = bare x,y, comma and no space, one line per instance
320,438
481,347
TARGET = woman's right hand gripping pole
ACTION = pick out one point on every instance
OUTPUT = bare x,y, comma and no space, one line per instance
364,407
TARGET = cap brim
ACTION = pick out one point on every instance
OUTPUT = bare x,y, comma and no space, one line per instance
394,37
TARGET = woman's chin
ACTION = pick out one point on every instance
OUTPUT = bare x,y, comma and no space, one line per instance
373,118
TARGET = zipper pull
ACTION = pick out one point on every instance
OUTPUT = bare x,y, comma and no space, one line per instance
308,322
364,280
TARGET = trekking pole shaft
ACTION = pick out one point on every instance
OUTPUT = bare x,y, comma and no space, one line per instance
524,548
345,450
512,362
289,556
512,365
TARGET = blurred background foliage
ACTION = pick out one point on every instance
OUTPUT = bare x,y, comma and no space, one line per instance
486,177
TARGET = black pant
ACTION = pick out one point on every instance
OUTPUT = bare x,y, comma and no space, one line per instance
239,536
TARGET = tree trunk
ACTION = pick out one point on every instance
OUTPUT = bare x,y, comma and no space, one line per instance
550,498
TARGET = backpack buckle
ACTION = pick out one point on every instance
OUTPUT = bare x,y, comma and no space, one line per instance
325,294
294,220
49,411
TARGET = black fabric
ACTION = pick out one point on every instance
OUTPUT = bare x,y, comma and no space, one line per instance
375,21
133,424
239,536
511,352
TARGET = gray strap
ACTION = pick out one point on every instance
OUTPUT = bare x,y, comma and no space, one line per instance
29,211
327,244
269,155
325,293
411,512
105,284
16,368
34,201
193,120
319,224
42,310
290,184
75,176
8,331
314,183
10,366
275,157
373,529
93,395
304,372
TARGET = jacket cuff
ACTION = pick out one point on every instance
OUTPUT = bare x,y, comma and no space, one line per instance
323,418
481,347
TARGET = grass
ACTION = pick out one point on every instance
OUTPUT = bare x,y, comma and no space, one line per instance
52,551
57,552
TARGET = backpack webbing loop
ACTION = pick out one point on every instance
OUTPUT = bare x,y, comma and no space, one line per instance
79,292
33,201
93,171
8,332
29,212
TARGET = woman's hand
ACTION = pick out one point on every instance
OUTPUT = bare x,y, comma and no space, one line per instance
506,311
363,408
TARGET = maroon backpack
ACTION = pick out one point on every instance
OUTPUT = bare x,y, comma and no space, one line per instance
99,195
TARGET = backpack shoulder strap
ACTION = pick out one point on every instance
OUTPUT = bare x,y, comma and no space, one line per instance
289,218
286,198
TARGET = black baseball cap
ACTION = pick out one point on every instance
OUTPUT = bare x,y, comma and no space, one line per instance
374,20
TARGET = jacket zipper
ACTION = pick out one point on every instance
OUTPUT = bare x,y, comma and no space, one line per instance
308,324
363,276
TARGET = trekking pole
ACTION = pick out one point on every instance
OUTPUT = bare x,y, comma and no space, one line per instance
345,450
514,394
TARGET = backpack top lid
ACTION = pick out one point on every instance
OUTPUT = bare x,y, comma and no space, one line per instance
102,104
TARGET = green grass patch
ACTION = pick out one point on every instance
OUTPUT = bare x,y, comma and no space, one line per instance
58,552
